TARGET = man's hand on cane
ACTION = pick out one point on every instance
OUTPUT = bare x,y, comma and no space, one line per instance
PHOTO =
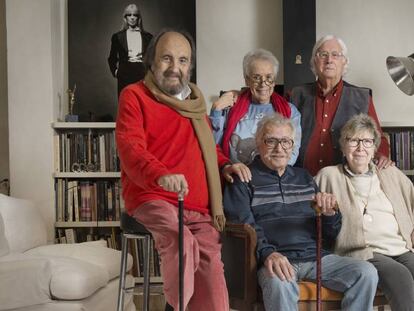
174,183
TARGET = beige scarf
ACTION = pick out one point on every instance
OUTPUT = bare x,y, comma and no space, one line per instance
194,108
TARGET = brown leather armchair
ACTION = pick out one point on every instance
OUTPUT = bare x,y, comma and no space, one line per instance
239,257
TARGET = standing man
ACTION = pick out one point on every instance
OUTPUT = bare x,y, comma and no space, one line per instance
277,203
128,47
327,104
166,147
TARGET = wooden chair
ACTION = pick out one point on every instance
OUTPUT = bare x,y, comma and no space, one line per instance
239,257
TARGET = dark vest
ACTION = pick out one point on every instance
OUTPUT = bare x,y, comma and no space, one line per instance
354,100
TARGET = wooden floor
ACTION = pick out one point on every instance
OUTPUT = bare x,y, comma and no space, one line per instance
157,303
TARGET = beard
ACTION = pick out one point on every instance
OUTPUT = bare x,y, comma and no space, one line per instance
169,86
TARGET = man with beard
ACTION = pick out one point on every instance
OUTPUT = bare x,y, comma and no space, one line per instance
166,147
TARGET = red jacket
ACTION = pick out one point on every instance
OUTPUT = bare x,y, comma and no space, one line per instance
155,140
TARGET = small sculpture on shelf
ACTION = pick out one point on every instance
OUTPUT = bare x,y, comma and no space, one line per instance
71,117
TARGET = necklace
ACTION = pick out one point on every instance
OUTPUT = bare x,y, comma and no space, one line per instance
365,214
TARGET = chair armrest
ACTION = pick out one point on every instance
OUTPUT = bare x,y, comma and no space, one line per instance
240,266
246,233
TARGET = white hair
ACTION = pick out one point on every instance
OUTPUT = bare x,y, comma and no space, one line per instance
276,120
262,54
319,43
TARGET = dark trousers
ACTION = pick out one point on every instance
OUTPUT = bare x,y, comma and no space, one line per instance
129,73
396,279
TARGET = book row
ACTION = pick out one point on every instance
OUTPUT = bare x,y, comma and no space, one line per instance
88,200
402,148
137,251
86,151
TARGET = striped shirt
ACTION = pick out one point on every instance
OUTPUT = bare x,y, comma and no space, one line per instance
279,209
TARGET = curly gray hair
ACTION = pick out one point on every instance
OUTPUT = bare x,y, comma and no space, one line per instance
357,124
262,54
275,119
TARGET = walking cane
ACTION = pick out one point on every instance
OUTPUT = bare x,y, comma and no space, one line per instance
181,249
318,255
318,259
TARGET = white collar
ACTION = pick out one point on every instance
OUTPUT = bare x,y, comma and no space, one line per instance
184,93
368,173
133,29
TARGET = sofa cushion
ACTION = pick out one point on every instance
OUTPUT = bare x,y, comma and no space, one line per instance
4,246
107,259
105,299
74,279
23,226
44,278
24,281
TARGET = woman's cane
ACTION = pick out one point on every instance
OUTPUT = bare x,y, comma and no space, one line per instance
181,249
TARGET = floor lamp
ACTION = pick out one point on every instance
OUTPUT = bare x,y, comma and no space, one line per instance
401,70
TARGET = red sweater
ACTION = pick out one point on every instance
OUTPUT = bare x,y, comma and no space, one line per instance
154,140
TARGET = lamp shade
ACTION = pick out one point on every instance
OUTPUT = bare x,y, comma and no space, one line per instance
401,70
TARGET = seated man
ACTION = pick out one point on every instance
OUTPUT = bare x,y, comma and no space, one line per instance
278,204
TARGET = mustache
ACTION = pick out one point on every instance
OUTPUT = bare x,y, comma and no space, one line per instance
271,155
172,74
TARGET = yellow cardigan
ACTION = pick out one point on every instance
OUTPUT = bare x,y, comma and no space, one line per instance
396,186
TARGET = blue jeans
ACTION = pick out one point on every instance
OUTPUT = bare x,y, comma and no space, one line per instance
357,279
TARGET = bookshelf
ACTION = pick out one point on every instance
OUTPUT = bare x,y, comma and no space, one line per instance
401,139
87,183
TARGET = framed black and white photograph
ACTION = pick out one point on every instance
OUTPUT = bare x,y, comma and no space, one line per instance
92,27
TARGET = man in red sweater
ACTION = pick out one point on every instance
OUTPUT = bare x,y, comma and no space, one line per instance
166,147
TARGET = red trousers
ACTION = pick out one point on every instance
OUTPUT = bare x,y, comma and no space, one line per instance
204,283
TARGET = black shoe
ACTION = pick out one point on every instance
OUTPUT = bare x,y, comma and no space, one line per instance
168,307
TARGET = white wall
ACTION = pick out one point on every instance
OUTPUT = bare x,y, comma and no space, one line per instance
37,75
226,31
373,30
4,128
33,81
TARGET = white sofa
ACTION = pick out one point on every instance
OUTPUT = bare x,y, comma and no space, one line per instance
35,276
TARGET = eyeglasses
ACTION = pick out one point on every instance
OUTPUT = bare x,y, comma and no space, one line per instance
325,54
258,79
272,142
366,142
131,14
